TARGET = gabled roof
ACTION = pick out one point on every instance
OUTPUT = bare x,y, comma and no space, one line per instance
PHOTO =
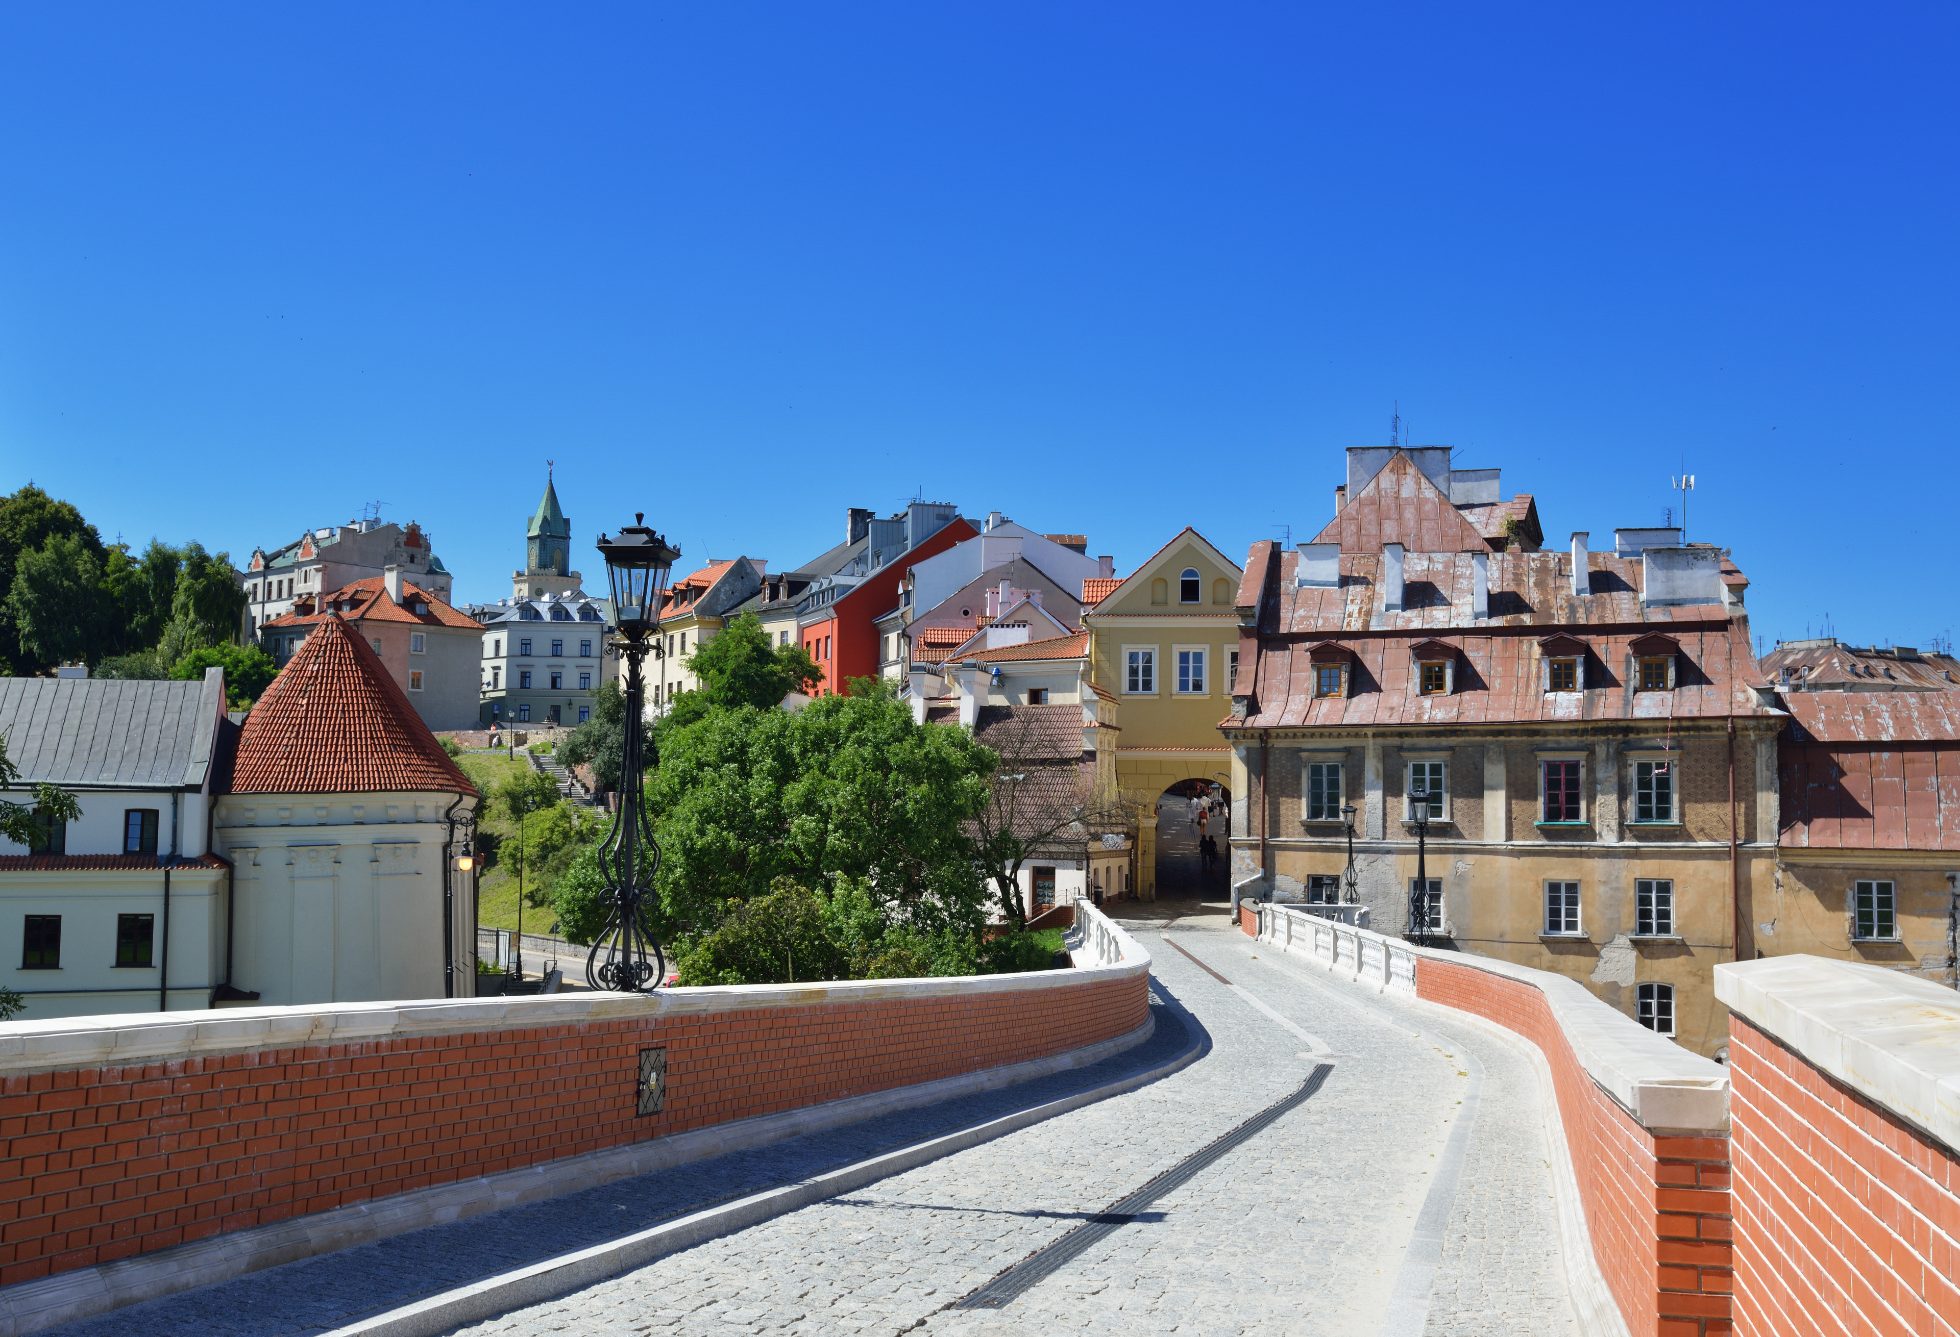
335,722
1401,505
366,600
1074,646
110,733
1145,565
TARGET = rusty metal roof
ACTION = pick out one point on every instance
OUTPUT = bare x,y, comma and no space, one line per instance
1400,505
1871,770
1874,718
1825,663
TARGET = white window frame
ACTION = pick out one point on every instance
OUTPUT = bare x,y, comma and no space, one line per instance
1439,799
1673,764
1148,677
1584,810
1324,889
1563,914
415,680
418,642
1332,814
1438,922
1891,908
1178,688
1651,1000
1231,669
1653,907
1191,573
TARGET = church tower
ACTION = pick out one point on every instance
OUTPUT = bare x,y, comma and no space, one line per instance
547,550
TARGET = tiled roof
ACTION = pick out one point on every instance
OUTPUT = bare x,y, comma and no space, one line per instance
367,600
101,863
1055,647
944,635
1401,505
1031,733
111,733
1097,588
335,722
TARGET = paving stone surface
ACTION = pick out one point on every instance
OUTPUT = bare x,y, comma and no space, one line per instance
1307,1226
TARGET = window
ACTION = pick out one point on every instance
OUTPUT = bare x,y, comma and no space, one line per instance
1653,909
523,678
415,680
1559,791
1324,889
496,677
48,836
1037,696
826,644
375,641
782,638
1190,589
1140,671
584,714
1432,906
41,943
1656,1007
557,649
1433,778
418,642
585,649
1874,912
1562,675
1653,791
497,648
1231,669
1190,672
1561,909
1656,673
140,831
557,681
585,681
134,934
524,646
1434,677
1324,791
524,710
1329,680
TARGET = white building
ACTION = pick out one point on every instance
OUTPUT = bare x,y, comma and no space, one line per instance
123,909
322,560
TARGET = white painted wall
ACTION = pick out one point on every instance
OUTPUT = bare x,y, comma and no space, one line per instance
88,981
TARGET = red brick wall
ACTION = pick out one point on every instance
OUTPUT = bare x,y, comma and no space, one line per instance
103,1163
1847,1220
1248,919
1657,1207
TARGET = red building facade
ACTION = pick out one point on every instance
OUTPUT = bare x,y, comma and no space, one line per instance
844,640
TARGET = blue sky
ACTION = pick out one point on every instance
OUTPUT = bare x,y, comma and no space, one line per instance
1108,269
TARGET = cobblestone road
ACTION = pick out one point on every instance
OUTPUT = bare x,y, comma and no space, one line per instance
1323,1222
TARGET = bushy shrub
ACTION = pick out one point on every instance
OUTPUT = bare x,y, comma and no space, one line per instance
780,938
1015,952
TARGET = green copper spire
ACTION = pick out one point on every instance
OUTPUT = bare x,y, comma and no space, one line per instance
549,545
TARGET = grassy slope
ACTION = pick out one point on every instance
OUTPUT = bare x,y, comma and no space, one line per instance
496,888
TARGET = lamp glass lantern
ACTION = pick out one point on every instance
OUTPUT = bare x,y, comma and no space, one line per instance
638,564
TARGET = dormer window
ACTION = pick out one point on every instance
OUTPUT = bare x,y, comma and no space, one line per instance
1565,663
1330,669
1655,656
1190,587
1435,668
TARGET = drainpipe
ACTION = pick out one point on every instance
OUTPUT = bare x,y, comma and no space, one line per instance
1735,853
1265,823
163,964
449,902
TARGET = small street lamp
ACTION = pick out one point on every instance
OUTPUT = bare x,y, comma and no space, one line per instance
1419,893
624,956
1350,895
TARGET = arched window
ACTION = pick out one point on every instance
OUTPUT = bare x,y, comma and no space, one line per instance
1190,589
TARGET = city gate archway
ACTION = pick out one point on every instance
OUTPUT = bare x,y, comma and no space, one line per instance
1181,870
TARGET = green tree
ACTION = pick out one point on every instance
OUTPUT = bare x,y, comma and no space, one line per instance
740,667
248,670
142,664
157,574
207,596
28,519
597,742
55,601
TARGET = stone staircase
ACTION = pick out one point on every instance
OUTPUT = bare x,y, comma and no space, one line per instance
567,783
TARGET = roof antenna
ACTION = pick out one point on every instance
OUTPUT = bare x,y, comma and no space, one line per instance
1684,484
1395,426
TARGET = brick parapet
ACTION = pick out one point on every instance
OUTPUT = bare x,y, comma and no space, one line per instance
105,1160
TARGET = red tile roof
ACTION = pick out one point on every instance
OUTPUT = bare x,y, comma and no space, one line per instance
1097,588
944,635
1055,647
100,863
334,722
368,601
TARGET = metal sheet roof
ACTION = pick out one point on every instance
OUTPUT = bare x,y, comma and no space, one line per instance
103,733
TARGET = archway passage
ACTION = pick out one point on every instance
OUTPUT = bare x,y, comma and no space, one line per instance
1189,813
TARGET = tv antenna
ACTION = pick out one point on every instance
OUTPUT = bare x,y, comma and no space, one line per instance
1683,483
1395,425
371,512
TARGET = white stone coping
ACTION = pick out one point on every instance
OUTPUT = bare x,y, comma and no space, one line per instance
1101,950
1891,1037
1667,1089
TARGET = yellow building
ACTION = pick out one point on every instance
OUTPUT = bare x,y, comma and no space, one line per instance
1164,642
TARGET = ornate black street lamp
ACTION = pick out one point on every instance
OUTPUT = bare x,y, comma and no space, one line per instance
1419,893
1350,892
625,957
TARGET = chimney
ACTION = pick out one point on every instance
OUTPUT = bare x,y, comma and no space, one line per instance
972,690
1320,566
1106,567
1581,576
1479,586
391,580
1391,577
1340,497
857,523
994,521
